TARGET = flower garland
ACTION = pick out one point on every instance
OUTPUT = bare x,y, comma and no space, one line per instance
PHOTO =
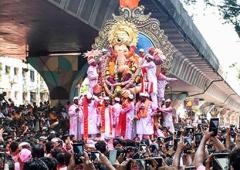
125,84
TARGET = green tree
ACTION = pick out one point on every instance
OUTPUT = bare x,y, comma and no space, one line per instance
228,9
236,67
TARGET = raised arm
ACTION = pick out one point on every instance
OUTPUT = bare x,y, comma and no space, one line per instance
177,155
200,153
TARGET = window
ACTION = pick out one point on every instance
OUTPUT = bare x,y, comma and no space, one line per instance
16,71
7,70
32,97
24,96
16,95
32,76
24,72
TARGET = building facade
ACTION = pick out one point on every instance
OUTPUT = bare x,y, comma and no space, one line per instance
22,83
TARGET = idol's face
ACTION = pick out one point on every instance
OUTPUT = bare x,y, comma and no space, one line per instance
121,49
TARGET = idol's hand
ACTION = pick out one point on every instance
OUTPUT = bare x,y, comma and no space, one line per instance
125,93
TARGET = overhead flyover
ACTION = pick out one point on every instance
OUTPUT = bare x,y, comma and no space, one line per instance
52,33
194,62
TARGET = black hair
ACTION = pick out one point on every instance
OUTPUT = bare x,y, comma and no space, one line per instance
36,164
101,146
130,143
50,162
13,146
55,152
61,158
37,151
235,158
49,147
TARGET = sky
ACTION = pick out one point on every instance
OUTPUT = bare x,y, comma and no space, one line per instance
222,39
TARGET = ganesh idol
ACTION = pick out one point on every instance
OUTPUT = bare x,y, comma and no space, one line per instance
118,67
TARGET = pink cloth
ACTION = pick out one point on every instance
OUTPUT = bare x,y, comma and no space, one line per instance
129,124
168,114
116,109
162,81
201,167
92,75
25,155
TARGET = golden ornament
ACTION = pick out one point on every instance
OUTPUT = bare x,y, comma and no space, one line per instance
123,32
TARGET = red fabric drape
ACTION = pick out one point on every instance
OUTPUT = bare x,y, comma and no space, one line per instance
85,112
122,124
102,118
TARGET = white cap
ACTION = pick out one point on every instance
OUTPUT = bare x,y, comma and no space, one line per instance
104,50
117,99
75,98
131,96
141,50
89,96
43,137
144,94
91,61
149,56
54,140
168,100
24,144
106,98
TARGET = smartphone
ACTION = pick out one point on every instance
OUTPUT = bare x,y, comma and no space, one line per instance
160,139
175,143
198,138
159,161
188,143
78,152
189,131
78,149
148,164
214,123
178,134
143,147
2,160
112,156
190,168
221,161
168,139
94,156
232,131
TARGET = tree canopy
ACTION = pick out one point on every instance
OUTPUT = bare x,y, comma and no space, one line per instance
228,9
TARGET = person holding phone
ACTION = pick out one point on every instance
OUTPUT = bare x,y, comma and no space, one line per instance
200,153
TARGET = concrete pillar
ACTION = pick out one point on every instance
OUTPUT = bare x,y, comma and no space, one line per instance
59,73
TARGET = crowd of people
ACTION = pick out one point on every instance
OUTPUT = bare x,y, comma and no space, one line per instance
38,137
